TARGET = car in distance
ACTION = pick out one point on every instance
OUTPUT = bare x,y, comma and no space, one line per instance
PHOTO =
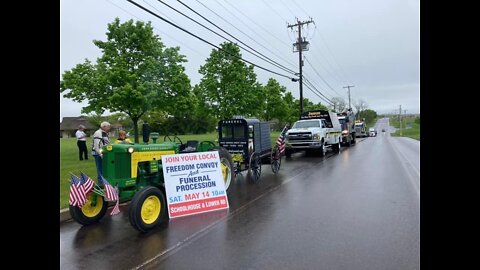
372,132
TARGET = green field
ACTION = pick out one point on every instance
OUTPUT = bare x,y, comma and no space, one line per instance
69,160
372,123
412,130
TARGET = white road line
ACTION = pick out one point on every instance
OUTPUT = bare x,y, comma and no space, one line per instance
172,250
414,178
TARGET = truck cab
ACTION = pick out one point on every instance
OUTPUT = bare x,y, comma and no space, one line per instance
361,128
347,123
315,131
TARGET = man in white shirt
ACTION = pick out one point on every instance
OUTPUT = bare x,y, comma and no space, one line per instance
100,138
82,142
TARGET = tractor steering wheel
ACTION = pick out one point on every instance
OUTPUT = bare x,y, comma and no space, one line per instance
175,139
209,143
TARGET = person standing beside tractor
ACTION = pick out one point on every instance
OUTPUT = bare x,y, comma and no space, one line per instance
100,138
122,138
82,143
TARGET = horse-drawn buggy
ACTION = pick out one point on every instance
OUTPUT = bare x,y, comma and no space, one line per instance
248,141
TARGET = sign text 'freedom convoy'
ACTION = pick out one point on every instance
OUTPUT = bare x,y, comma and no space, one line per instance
194,183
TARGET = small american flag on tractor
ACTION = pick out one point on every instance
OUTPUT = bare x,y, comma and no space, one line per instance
77,192
281,140
81,186
111,194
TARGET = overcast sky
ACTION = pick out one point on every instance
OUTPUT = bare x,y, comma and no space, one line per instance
371,44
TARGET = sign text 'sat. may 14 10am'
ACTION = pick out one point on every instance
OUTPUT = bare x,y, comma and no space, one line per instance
193,183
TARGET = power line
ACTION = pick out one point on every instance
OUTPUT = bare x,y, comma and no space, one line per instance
263,57
266,41
333,57
211,44
281,1
317,83
203,17
241,31
318,74
334,75
163,33
309,85
300,7
257,24
307,81
281,17
315,93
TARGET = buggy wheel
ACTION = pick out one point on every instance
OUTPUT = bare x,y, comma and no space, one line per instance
254,168
147,209
275,159
91,212
226,164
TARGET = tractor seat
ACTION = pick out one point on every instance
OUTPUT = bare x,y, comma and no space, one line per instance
190,146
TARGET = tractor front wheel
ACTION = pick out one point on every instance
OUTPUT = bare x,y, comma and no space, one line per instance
226,165
147,209
92,211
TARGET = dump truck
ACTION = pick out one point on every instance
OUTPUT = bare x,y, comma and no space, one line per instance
360,128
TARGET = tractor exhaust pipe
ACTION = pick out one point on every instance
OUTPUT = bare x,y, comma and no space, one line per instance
145,132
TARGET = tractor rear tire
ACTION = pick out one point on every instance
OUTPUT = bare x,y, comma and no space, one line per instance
147,209
89,214
226,165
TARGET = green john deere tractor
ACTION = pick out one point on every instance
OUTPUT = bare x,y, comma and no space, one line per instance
136,169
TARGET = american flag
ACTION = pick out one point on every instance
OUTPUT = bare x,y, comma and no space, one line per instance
281,141
111,194
77,192
87,183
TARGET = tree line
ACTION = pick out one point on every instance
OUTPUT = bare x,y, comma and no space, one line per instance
139,79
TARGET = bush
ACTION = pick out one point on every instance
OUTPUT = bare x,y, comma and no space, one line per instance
417,120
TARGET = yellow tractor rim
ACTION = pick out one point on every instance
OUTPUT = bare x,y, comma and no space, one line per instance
151,209
225,171
88,209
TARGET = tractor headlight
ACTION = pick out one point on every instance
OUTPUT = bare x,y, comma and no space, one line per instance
130,150
316,137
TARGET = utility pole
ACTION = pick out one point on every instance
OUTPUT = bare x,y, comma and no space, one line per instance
299,46
349,102
400,119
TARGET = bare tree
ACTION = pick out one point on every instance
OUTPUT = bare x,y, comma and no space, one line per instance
339,104
360,105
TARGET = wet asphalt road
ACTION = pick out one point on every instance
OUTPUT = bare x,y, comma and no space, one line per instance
355,210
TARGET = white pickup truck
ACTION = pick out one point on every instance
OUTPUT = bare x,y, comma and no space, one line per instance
315,131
